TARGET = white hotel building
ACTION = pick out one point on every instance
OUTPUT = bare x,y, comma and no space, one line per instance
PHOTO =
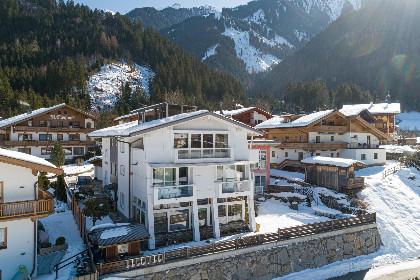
186,177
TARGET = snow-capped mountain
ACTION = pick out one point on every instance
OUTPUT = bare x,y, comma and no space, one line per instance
105,85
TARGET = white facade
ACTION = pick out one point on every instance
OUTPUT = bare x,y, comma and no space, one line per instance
186,186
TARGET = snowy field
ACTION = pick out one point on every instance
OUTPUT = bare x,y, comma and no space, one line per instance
409,121
396,201
105,85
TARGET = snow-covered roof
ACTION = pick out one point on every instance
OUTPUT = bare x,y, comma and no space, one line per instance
21,117
126,116
237,111
339,162
349,110
271,123
397,149
7,154
119,234
303,121
128,129
380,108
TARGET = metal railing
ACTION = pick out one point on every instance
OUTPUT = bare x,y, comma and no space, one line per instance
175,192
233,187
199,153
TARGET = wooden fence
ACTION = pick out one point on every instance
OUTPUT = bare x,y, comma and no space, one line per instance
238,243
390,171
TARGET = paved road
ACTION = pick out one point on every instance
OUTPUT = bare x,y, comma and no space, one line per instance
407,274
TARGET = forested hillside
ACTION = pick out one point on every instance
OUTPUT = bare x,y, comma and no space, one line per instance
376,48
48,49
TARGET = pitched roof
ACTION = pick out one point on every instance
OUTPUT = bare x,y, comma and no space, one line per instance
135,128
304,120
34,113
271,123
236,112
29,161
380,108
339,162
120,234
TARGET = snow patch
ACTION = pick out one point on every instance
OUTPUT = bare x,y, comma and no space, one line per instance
210,52
258,17
115,232
105,86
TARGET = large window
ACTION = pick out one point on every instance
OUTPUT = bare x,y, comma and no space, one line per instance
78,151
74,137
170,176
25,150
181,140
161,222
229,213
230,173
67,151
222,141
3,237
263,160
179,220
45,151
195,140
45,137
207,145
222,214
208,141
25,137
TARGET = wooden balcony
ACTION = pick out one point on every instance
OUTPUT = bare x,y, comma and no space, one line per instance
330,128
40,208
53,129
44,143
312,146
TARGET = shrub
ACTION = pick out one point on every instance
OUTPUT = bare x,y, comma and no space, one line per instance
60,241
46,245
411,161
60,190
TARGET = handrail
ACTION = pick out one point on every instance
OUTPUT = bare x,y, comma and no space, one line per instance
26,208
240,242
58,267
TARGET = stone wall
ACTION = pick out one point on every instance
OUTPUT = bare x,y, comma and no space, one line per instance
270,260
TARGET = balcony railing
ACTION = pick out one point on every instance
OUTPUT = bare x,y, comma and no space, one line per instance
330,128
234,187
362,146
52,129
42,207
45,143
203,153
313,145
170,192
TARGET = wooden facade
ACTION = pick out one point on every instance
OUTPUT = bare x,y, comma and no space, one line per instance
247,117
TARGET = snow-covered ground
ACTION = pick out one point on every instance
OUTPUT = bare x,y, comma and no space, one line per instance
397,148
296,176
396,201
408,121
105,85
210,52
63,224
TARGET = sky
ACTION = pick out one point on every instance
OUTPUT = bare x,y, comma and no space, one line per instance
123,6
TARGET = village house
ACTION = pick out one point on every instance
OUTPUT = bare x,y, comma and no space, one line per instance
185,177
327,133
35,132
384,113
21,204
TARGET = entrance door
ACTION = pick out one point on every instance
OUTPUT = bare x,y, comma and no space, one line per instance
300,155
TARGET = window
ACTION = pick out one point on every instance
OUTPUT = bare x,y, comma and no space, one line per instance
287,138
30,123
165,176
25,137
343,172
332,154
323,122
76,124
60,124
286,154
42,123
208,141
331,122
122,170
273,154
274,138
88,125
234,212
59,113
2,137
122,147
318,154
332,138
338,154
49,123
122,200
231,173
375,156
179,220
301,139
67,151
195,140
363,156
45,151
221,210
74,137
181,140
183,176
70,124
260,181
65,112
45,137
60,137
1,192
222,141
161,222
3,237
263,160
78,151
25,150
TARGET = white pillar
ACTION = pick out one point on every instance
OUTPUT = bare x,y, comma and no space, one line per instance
251,213
215,215
150,224
196,223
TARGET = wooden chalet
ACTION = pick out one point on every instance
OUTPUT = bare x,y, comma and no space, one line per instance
333,173
251,116
35,132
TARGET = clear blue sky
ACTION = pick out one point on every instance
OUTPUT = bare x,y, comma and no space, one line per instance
127,5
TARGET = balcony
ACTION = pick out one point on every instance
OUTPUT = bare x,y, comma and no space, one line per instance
44,143
170,194
330,129
231,189
53,129
313,146
40,208
362,146
204,154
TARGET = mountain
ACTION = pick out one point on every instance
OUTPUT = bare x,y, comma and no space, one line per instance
250,38
48,51
159,19
376,47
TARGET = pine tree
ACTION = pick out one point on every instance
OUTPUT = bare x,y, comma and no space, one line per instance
96,208
58,156
43,181
60,191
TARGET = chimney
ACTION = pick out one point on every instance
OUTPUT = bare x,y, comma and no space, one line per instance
221,108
